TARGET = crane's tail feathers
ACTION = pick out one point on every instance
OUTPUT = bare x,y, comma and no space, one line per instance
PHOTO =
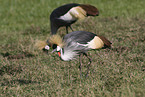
78,12
90,10
107,43
40,44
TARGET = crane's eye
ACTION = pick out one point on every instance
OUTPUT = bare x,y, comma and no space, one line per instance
54,46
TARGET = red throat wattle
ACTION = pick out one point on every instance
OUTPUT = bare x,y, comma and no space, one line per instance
59,54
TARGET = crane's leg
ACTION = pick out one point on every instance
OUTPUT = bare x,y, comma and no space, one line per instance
67,29
80,66
71,28
90,61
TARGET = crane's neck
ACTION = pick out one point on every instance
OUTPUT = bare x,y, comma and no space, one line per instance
53,29
66,55
61,52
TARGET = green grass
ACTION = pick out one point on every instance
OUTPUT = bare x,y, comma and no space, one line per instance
118,72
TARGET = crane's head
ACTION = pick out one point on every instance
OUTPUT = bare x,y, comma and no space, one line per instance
42,45
47,44
56,39
57,42
57,49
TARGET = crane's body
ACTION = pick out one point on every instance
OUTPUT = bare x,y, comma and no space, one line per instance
77,43
68,14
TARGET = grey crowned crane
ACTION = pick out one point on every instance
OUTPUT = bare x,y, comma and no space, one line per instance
68,14
77,43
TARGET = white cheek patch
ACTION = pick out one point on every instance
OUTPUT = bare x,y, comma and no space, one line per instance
47,47
58,48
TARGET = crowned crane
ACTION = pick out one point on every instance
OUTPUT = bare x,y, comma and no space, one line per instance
68,14
77,43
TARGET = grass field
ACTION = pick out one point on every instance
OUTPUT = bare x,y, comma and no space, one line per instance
116,72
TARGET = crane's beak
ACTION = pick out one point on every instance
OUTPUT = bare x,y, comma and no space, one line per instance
54,50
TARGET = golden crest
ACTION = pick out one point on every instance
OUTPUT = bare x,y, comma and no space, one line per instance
56,39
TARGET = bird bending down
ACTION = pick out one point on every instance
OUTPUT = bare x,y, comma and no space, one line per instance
77,43
68,14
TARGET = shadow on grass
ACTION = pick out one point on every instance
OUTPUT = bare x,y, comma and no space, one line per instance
17,81
10,70
17,56
113,83
120,49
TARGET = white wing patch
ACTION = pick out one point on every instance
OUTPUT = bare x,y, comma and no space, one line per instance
82,44
96,43
78,12
68,17
74,14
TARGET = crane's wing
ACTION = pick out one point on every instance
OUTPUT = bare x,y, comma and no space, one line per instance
82,37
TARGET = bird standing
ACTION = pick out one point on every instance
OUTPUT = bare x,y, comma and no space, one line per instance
68,14
77,43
